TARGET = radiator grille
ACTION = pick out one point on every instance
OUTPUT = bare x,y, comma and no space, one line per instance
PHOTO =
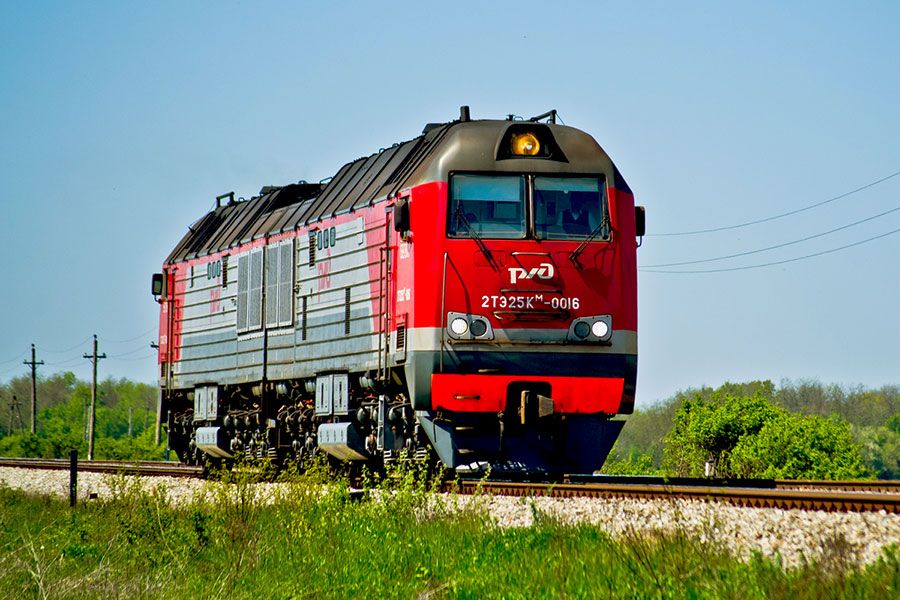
347,311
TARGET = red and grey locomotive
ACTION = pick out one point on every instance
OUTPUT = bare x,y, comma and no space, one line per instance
471,292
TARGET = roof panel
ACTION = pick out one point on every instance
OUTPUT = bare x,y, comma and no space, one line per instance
277,210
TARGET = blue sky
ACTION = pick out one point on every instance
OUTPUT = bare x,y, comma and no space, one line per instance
121,122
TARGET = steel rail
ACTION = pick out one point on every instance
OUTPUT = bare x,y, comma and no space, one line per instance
146,468
854,485
807,499
862,485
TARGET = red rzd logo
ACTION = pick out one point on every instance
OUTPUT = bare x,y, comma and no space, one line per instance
543,271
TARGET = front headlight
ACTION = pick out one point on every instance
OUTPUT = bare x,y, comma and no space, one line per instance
459,326
600,329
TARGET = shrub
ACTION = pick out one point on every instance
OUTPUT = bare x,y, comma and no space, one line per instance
880,450
796,446
634,463
708,429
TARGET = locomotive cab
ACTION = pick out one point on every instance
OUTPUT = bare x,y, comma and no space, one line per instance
522,270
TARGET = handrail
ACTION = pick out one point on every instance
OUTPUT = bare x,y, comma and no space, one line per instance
443,312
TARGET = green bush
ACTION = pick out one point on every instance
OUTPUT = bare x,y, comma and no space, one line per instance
893,423
880,450
634,463
800,447
748,436
708,429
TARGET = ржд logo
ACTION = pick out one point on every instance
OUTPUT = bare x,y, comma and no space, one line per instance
543,271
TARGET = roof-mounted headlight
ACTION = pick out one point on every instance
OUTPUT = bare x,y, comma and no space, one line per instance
529,141
525,144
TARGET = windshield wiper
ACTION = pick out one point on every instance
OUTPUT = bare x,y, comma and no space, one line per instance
461,218
604,224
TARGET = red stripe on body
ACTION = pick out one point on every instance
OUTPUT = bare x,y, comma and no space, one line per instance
487,393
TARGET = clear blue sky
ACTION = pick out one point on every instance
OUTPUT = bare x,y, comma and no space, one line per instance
121,121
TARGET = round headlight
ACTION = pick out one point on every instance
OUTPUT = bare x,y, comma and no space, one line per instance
459,326
525,144
582,329
479,327
600,328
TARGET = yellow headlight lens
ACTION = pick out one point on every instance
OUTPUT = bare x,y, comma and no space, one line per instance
525,144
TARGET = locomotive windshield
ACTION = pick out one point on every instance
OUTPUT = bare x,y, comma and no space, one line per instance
493,207
487,206
569,208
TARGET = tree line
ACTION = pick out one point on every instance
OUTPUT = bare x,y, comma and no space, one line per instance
125,418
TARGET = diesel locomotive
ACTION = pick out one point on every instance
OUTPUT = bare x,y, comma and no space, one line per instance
470,295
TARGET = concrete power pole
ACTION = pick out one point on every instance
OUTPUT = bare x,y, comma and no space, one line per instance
93,358
33,364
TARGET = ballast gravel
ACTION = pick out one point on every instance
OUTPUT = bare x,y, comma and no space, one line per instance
794,536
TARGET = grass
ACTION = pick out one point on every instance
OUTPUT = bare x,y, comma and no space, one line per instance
399,542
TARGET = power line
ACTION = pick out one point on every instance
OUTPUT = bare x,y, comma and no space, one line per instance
66,362
140,335
791,243
14,359
8,371
130,352
772,218
145,357
78,345
779,262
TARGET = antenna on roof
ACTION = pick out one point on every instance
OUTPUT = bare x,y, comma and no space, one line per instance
464,114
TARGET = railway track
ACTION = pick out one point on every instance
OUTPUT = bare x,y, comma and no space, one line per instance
832,496
145,468
833,499
856,485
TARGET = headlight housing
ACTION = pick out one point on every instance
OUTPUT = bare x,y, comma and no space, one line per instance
591,329
463,326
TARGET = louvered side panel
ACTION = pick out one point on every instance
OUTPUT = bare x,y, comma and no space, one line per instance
286,284
254,300
272,288
243,291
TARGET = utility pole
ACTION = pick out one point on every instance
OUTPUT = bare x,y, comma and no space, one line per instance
33,364
15,414
93,358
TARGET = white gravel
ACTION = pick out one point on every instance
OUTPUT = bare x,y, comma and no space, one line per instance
793,535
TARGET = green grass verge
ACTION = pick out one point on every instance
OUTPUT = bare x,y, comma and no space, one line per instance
311,543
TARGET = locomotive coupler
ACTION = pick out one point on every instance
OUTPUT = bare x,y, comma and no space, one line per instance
527,410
